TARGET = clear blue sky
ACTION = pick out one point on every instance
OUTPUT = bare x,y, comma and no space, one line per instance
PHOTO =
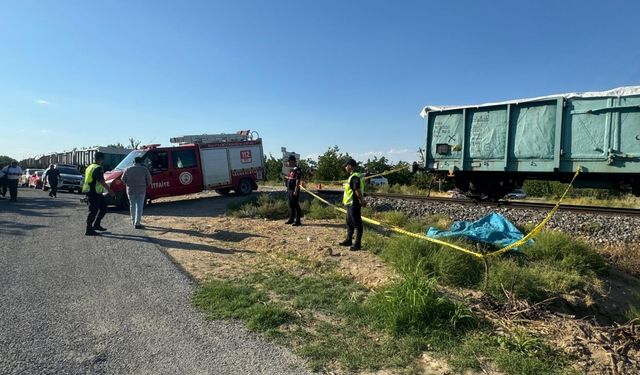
304,74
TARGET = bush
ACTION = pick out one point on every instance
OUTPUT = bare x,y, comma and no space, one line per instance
523,282
458,269
412,305
404,252
566,253
319,210
266,206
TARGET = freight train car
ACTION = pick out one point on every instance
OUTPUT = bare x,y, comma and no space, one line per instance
488,150
79,157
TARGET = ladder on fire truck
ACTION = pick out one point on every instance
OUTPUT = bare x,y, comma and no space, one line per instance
243,135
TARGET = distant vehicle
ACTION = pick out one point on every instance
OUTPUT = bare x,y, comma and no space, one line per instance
71,179
378,181
24,179
220,162
35,180
517,194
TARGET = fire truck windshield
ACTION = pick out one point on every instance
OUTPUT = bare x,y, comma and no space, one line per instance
128,161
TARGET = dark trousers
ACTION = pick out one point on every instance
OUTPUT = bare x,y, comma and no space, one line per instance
3,186
13,189
354,222
53,188
97,209
295,212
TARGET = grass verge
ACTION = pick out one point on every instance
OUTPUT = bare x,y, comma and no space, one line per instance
337,324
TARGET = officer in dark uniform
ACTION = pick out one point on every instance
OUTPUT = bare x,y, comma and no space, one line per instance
293,192
353,199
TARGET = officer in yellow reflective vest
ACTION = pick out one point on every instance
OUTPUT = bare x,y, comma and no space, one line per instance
353,199
94,186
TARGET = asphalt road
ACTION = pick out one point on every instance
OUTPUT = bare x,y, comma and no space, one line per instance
115,304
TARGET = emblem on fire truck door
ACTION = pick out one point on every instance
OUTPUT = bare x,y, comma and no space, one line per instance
185,178
245,156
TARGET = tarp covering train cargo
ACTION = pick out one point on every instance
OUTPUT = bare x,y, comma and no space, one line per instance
616,93
493,229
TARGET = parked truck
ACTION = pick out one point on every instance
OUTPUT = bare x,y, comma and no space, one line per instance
220,162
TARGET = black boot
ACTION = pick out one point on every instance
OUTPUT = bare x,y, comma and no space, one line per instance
290,221
99,227
357,245
346,242
91,232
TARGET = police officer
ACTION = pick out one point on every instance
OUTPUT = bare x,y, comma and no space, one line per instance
293,192
353,199
94,186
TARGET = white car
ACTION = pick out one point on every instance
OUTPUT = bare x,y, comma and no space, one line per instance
517,194
379,181
70,178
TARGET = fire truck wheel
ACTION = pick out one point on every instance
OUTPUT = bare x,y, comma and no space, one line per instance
224,191
244,187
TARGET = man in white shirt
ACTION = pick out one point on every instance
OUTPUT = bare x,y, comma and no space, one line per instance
13,173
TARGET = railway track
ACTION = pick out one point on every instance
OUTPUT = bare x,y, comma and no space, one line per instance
599,210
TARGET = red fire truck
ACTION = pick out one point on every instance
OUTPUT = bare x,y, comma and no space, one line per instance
220,162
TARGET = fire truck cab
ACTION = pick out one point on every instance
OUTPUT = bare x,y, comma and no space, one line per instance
220,162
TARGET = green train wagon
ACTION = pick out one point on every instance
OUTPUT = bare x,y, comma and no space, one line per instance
490,149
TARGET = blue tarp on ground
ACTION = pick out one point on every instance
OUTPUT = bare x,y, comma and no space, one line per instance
493,228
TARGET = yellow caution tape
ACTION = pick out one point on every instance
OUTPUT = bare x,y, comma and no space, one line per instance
366,177
396,229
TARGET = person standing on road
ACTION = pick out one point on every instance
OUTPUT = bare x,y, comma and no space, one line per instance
94,186
51,175
353,198
12,174
3,182
293,192
138,179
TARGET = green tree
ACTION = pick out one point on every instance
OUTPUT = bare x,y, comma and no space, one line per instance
401,177
308,168
331,165
5,160
376,165
273,168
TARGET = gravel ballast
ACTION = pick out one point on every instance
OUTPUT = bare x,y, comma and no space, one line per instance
598,229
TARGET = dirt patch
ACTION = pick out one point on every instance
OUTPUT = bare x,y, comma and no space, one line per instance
213,246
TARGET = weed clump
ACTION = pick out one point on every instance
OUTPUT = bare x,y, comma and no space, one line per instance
412,305
318,210
264,206
555,263
226,300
